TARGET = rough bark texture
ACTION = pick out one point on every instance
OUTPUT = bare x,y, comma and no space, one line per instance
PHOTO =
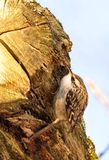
33,58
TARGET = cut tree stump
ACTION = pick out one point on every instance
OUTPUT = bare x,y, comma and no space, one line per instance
33,58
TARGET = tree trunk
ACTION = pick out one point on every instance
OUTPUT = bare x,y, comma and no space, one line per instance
33,58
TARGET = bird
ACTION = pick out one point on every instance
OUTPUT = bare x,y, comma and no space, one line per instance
70,101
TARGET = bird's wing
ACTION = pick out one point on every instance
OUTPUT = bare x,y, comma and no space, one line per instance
72,105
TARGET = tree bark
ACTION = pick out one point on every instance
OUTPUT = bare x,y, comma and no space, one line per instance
33,58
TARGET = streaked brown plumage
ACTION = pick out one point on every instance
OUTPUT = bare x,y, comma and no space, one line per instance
76,100
69,103
71,99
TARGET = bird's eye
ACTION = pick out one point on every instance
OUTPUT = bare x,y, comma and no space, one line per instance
73,79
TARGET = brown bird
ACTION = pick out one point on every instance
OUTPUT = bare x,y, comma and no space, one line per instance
70,101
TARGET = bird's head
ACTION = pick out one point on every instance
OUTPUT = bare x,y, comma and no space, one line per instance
75,80
78,80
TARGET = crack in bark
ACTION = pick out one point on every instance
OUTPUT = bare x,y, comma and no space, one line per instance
13,30
42,23
15,57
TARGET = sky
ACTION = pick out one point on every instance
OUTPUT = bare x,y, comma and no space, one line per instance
87,24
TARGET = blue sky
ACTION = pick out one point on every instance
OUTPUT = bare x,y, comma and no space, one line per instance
87,24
